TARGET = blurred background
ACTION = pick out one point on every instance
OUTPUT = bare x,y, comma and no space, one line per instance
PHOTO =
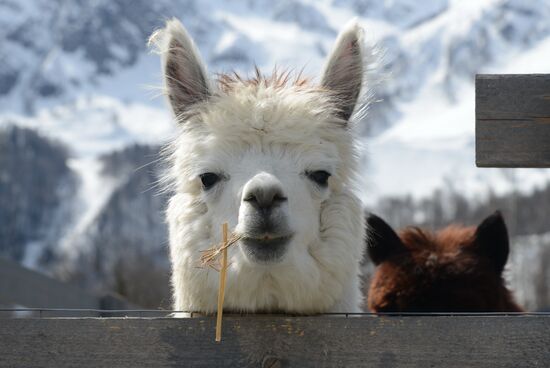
81,123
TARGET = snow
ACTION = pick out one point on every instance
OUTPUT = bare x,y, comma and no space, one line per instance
94,192
94,125
433,141
297,51
534,61
33,251
434,144
137,84
526,270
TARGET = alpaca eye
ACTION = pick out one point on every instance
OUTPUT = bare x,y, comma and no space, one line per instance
209,180
320,177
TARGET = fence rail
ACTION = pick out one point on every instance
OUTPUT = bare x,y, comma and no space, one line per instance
279,341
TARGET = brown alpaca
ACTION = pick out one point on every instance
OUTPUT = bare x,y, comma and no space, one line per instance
457,269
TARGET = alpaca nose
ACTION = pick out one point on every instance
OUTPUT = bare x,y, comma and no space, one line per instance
264,192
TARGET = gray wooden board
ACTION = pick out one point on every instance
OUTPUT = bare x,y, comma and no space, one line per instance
323,341
513,120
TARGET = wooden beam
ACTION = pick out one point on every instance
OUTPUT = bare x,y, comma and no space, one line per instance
513,120
459,341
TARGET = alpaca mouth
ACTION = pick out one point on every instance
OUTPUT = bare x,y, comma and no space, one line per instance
267,248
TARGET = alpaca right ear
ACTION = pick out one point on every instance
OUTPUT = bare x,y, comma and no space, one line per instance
185,77
491,240
382,241
343,73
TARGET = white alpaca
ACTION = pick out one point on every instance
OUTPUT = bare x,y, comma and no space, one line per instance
275,159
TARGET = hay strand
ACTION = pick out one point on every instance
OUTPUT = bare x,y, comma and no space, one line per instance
211,257
221,291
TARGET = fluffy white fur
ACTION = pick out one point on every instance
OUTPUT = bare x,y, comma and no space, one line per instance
256,129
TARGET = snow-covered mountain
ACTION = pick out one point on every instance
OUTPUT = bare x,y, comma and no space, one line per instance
77,58
79,73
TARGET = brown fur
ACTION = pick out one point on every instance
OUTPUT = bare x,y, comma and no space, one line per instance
445,271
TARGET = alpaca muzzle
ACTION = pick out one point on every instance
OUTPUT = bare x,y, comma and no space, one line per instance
264,219
265,249
264,207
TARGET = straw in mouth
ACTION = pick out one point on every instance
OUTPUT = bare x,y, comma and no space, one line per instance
212,257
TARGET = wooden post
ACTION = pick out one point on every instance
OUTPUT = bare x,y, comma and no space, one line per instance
513,120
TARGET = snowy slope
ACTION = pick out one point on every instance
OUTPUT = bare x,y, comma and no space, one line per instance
434,139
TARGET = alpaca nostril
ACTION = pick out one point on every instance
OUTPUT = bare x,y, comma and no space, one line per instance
263,192
265,198
279,198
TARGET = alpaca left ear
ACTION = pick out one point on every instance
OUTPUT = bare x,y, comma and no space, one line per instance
491,240
185,76
343,72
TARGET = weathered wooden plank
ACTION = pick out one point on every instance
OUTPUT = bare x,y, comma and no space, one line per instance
465,341
21,286
513,120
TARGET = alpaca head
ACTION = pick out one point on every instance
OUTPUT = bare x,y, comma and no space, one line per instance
268,155
458,269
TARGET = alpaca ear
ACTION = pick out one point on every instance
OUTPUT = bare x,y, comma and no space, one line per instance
343,72
185,77
491,240
382,241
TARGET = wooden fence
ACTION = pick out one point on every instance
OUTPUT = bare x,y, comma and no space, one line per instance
278,341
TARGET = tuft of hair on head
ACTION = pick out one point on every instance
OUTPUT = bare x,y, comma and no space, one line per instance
227,82
185,78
